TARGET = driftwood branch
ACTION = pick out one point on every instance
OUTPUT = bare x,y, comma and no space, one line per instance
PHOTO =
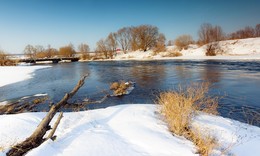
50,136
22,105
36,138
83,104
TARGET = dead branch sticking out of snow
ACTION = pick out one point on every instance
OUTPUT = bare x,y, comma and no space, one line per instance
36,138
50,136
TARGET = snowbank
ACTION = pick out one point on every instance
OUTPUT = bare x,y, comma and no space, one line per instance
124,130
241,49
238,138
120,130
12,74
139,55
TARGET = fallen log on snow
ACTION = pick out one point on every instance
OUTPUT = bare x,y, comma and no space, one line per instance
36,138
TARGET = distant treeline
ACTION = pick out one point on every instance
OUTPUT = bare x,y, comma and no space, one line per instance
142,37
209,33
146,37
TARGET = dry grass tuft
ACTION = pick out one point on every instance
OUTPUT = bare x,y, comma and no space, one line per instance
179,108
173,54
204,142
177,111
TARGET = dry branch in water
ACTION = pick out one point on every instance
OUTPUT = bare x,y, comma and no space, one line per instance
22,105
81,105
36,138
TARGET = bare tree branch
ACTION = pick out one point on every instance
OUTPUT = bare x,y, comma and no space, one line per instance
50,136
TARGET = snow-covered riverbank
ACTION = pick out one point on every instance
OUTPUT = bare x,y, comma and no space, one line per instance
12,74
134,129
242,49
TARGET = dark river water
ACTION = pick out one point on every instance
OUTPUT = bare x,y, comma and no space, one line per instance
238,82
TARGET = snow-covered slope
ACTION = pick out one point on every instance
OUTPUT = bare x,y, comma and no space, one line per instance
241,47
250,46
125,130
232,49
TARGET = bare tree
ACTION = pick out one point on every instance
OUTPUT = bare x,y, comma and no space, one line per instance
39,48
30,51
67,51
237,35
107,46
145,36
160,44
48,51
124,38
183,41
102,48
249,32
40,51
204,33
208,33
83,48
51,52
111,44
134,39
218,34
142,37
257,30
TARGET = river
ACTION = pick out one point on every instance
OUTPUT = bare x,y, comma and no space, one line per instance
237,82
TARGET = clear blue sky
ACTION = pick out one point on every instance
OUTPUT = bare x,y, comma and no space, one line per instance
60,22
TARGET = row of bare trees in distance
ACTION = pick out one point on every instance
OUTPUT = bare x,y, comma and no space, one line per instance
208,33
39,51
146,37
133,38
